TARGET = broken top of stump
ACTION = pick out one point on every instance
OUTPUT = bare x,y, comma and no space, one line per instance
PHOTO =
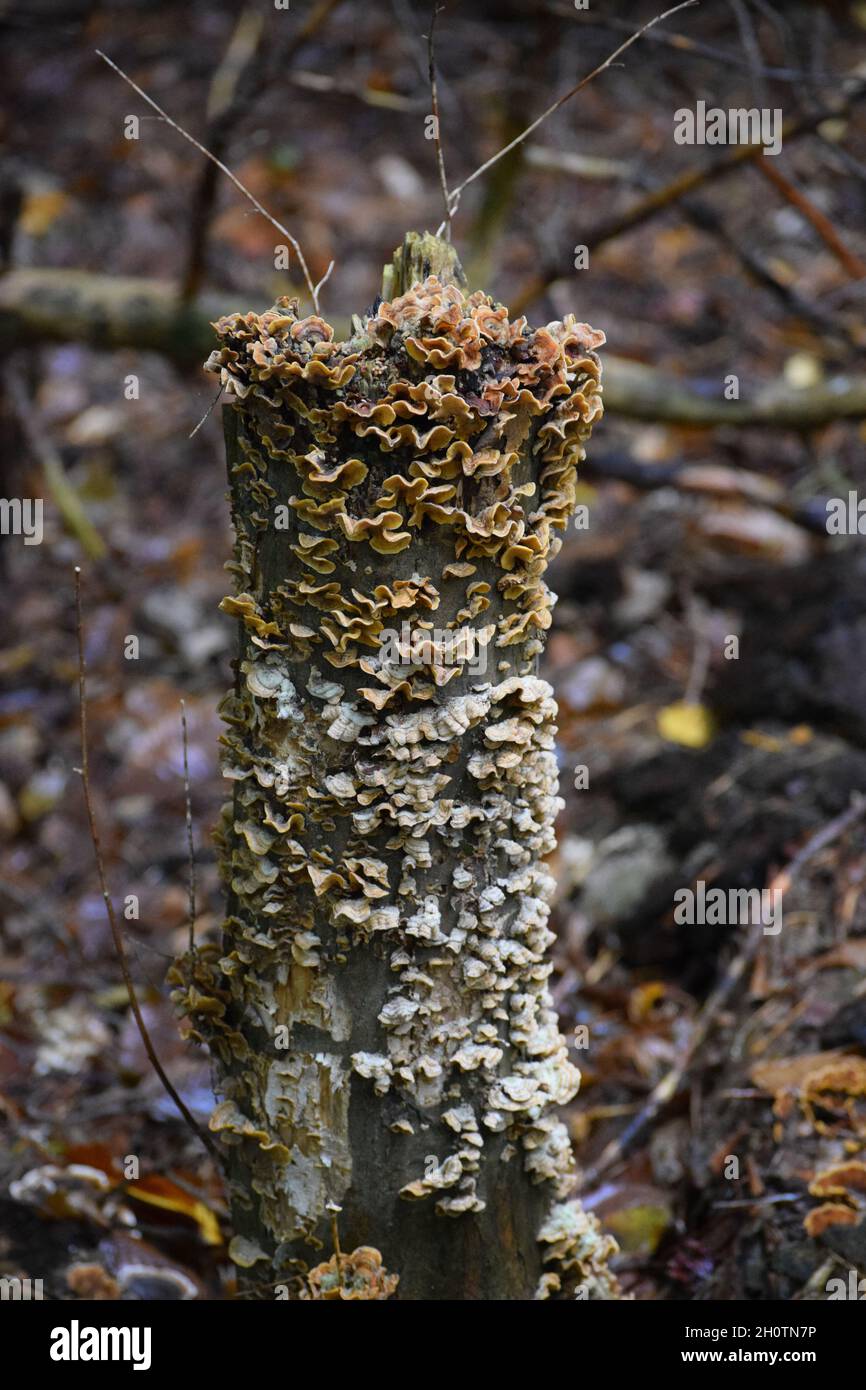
419,256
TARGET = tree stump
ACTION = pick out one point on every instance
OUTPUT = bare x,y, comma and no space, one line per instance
382,1034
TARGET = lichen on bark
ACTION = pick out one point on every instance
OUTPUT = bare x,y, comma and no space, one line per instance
378,1013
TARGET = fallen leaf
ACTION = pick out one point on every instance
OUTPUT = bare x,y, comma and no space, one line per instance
41,210
162,1192
690,725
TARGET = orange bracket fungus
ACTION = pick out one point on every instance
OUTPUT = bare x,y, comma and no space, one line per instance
378,1014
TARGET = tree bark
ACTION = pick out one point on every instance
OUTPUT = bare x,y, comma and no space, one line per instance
381,1029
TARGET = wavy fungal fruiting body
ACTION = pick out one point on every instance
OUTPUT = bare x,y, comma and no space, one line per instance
379,1014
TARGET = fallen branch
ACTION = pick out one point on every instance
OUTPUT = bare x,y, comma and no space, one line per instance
38,306
645,393
57,485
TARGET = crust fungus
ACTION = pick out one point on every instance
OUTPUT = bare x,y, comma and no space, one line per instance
384,850
843,1189
359,1275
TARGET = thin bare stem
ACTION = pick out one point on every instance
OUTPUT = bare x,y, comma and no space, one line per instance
584,81
225,170
335,1210
325,278
698,621
119,946
195,431
189,840
434,99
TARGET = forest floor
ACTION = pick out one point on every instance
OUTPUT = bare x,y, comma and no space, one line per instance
735,765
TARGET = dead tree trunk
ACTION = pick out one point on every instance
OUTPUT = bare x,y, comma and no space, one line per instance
379,1019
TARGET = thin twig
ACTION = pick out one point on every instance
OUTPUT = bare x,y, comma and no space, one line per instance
335,1210
310,81
189,839
195,431
325,278
225,170
434,99
238,83
820,223
701,650
684,43
660,199
539,120
752,50
670,1083
120,948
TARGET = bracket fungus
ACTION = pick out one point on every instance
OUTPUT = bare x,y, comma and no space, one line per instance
393,800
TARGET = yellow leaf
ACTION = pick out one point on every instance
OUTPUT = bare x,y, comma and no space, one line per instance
640,1228
161,1192
586,493
41,210
800,735
692,726
756,739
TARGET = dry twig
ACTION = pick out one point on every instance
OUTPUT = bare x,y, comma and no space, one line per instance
852,263
560,101
445,226
225,170
670,1084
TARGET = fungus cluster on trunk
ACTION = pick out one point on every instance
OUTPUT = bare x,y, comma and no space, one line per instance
378,1012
